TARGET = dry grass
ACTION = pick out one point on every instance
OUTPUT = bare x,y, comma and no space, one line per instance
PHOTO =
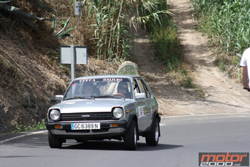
30,70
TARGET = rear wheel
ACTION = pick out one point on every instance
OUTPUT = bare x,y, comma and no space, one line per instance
152,138
54,142
130,139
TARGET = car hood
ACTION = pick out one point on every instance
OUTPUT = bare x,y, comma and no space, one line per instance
89,105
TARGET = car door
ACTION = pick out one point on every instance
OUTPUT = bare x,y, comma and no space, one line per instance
140,108
147,101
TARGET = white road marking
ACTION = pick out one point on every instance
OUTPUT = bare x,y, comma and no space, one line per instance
202,115
21,136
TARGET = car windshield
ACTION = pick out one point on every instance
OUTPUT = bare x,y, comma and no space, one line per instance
99,88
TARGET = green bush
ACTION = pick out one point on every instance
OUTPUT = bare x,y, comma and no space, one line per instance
166,42
35,126
226,22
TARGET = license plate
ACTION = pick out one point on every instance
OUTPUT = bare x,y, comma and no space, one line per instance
85,126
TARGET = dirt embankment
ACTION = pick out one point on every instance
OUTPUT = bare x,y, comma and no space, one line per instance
30,70
26,95
220,93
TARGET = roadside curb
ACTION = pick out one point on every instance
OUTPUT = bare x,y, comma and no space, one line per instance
12,136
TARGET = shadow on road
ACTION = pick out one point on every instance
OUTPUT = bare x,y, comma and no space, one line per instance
115,145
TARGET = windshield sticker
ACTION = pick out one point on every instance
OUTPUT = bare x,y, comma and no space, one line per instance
87,80
74,84
112,79
142,112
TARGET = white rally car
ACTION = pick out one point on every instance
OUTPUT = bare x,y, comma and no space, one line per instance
100,107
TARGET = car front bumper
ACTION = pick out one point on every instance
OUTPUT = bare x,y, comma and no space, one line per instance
63,129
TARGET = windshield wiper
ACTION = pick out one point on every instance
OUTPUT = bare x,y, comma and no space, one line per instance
78,97
104,96
109,96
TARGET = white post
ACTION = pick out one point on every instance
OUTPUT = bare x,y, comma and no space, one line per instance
73,55
73,62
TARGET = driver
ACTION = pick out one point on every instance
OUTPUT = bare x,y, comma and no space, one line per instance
123,89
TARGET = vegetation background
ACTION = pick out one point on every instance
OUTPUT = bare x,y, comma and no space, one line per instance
31,32
226,23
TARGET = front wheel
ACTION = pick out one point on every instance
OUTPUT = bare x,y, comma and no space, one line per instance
152,138
54,142
130,139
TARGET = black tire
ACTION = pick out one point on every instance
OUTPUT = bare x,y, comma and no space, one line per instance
130,139
152,138
54,142
80,140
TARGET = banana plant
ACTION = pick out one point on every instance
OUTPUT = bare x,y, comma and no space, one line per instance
25,17
28,18
22,15
63,34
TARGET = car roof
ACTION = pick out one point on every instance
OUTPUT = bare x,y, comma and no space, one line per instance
108,76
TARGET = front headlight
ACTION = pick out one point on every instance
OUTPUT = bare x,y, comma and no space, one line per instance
54,115
118,112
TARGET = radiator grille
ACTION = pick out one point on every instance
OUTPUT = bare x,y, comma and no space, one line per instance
87,116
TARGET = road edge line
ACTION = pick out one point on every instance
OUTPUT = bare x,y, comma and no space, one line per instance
202,115
21,136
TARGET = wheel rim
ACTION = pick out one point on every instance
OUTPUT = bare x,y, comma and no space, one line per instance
156,132
135,135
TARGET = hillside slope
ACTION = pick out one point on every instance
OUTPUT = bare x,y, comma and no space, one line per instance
30,79
31,74
214,93
30,70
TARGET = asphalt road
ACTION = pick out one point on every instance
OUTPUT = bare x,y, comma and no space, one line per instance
181,141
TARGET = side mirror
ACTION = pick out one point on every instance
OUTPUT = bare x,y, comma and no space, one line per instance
140,96
58,97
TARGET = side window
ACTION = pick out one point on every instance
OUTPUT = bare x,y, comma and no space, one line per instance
144,88
135,86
